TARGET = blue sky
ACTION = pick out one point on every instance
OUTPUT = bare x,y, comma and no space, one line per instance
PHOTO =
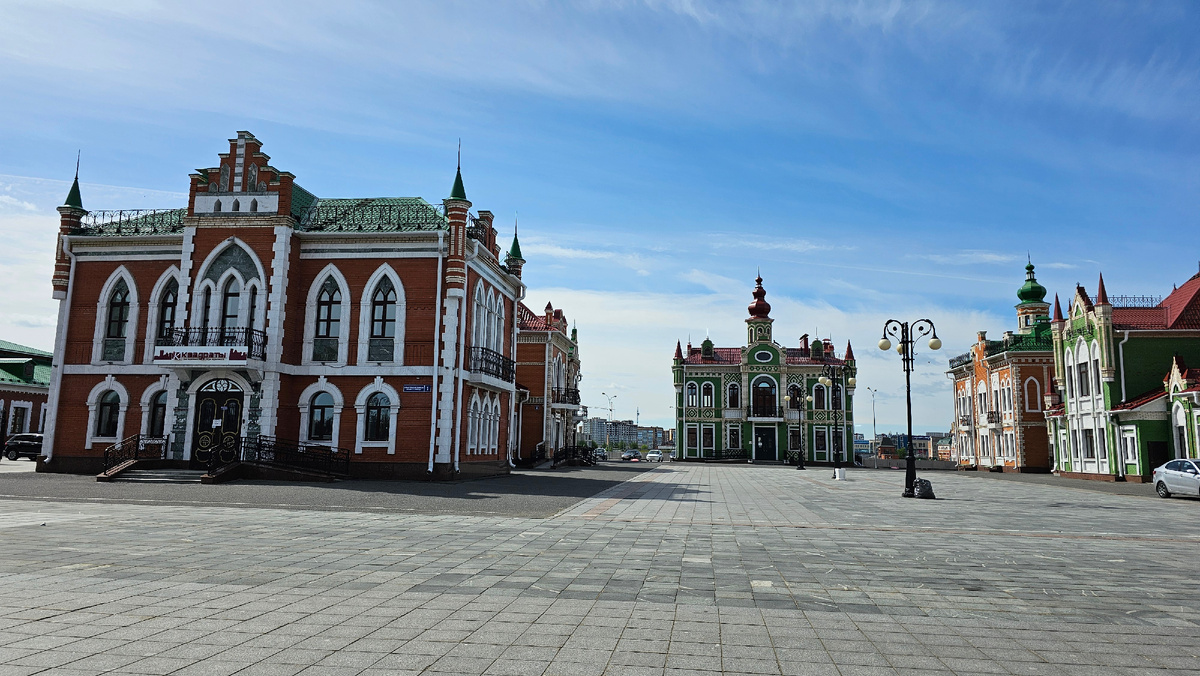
874,159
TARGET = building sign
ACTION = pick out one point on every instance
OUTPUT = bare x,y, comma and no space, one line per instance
187,354
417,388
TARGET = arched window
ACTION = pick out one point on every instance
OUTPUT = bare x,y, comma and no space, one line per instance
320,422
691,394
329,321
206,308
490,323
231,299
378,417
252,310
735,396
796,400
1096,367
500,324
118,311
764,400
108,414
818,396
253,206
383,322
158,415
217,207
473,428
706,395
237,206
166,309
496,427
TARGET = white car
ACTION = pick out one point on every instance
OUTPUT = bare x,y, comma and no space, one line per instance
654,456
1178,476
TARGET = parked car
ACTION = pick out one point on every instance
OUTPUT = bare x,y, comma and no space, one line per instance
1178,476
632,456
23,446
654,456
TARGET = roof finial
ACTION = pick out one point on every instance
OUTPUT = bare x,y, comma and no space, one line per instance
460,153
77,154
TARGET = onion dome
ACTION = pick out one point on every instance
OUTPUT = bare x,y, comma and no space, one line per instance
760,308
1031,292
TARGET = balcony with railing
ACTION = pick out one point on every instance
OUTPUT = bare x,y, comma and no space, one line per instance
567,396
964,421
492,363
764,411
210,346
993,417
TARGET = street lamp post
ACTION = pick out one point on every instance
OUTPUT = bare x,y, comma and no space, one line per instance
907,336
874,432
608,427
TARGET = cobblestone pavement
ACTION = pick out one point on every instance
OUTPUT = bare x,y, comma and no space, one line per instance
681,570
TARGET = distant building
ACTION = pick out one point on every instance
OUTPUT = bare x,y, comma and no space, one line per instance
24,386
548,370
752,402
997,390
1117,402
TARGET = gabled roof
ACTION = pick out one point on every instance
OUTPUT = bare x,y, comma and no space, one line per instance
528,320
1183,305
1141,400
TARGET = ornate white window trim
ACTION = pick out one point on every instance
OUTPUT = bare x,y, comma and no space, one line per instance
121,273
364,316
152,308
360,407
305,403
163,385
310,316
93,404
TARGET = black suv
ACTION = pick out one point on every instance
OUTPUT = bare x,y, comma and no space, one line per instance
23,446
632,456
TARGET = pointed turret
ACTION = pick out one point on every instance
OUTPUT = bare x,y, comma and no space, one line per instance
849,352
73,198
514,261
1058,315
678,351
71,215
1101,294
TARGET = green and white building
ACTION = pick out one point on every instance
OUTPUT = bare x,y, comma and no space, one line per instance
1115,411
764,402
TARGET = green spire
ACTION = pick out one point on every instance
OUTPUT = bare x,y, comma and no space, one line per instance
515,251
73,198
458,192
1031,292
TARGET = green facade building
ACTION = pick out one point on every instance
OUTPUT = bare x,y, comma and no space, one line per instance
764,402
1114,411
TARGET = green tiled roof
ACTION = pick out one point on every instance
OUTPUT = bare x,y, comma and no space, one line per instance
13,371
372,214
22,350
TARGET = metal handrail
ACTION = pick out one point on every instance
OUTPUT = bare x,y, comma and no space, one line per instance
136,447
764,411
286,453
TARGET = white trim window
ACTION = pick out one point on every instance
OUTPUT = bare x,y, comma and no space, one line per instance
156,402
1033,395
107,403
381,319
320,407
1129,444
378,408
162,312
116,319
327,311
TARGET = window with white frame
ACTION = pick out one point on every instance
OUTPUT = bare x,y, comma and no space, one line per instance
379,409
708,437
706,395
1129,445
735,437
691,394
382,345
328,328
735,396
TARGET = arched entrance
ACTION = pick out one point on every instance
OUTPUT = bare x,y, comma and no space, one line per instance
217,432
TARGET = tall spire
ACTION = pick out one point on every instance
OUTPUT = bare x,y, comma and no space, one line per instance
1058,316
1101,294
678,350
73,198
515,252
458,192
849,352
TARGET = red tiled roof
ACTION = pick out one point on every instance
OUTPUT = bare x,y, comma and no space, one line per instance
796,356
528,321
1139,318
1055,411
1141,400
721,355
1182,306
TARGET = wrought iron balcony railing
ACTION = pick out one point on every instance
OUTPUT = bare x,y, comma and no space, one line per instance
253,340
492,363
565,395
762,411
993,416
368,217
964,420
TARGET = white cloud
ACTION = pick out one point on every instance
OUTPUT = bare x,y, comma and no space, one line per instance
10,202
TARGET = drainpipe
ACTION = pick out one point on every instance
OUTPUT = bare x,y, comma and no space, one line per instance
512,398
60,339
462,348
437,353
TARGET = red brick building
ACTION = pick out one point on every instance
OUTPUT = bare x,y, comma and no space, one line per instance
384,327
548,375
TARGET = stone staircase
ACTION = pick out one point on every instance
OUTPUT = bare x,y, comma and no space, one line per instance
160,476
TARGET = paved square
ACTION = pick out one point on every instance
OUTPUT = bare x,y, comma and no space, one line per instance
680,570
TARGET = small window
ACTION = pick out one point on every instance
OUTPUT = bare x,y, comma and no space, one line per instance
217,207
237,206
320,427
231,300
691,394
378,417
253,206
108,414
735,396
158,415
166,309
763,356
706,395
